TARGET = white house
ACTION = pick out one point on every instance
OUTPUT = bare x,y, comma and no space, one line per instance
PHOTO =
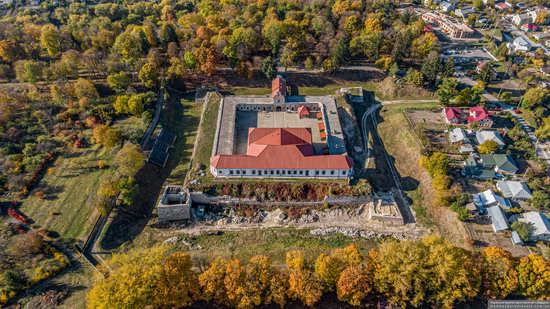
520,19
540,224
488,199
485,136
458,135
498,219
447,6
517,190
534,14
519,45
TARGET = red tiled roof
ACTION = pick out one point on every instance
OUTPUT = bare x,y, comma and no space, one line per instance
278,85
303,110
281,149
321,125
477,113
323,135
452,113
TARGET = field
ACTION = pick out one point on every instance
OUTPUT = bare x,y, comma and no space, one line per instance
404,147
69,188
331,88
273,242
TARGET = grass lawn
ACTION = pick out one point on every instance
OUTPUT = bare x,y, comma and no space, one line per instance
404,147
67,207
205,136
273,242
186,127
529,118
331,89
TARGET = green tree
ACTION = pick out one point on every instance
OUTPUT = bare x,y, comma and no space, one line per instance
118,81
478,5
84,88
269,67
540,200
29,70
430,68
534,97
449,68
129,190
14,281
50,39
523,229
446,90
121,104
415,77
149,75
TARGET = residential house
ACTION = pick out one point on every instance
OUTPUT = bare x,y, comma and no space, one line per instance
520,19
464,12
529,27
475,170
535,15
447,6
545,70
503,6
539,36
516,240
500,163
488,198
485,136
478,115
519,45
498,219
459,136
453,115
540,224
517,190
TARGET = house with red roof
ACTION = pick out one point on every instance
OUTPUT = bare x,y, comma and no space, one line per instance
453,115
281,153
479,116
529,27
278,90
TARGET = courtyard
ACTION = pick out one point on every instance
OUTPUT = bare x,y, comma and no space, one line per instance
276,119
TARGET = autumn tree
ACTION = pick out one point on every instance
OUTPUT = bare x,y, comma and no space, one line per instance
534,97
436,164
303,283
500,277
534,277
106,136
141,278
353,286
129,160
212,283
269,67
488,147
428,271
84,88
177,283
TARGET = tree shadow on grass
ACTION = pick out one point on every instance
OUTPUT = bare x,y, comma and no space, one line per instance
128,224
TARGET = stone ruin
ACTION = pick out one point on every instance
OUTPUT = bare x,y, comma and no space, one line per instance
385,209
175,204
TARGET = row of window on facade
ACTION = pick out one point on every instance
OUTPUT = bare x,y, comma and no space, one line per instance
247,107
281,172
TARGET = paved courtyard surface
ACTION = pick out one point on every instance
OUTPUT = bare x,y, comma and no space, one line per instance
247,119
